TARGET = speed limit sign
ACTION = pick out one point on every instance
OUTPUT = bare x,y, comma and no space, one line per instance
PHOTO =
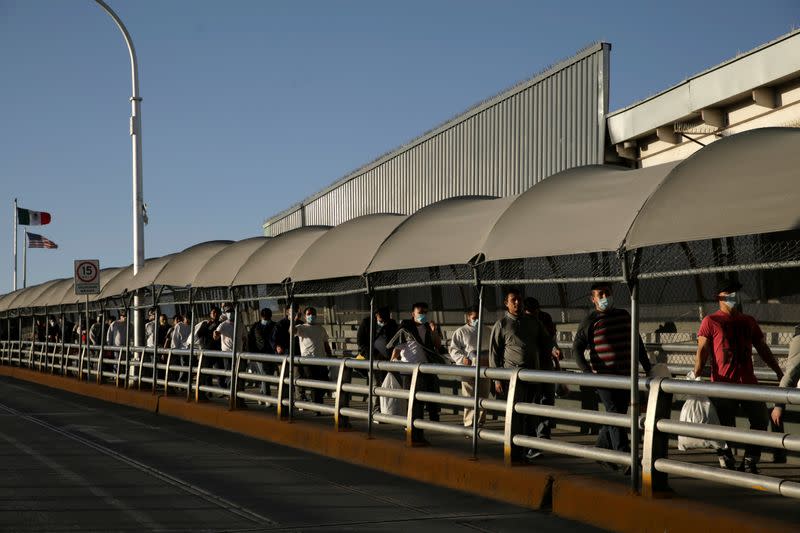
87,276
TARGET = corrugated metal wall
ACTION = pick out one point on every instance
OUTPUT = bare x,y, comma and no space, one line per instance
550,123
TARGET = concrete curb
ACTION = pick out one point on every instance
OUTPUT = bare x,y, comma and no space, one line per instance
607,505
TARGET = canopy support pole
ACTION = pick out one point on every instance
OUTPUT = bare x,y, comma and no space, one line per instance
234,386
290,303
629,268
370,372
476,387
191,346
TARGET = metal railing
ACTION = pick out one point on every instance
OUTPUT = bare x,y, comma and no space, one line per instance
266,379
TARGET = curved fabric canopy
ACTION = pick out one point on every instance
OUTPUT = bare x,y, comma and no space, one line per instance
126,281
445,233
581,210
182,268
220,270
352,244
55,293
744,184
7,300
273,261
31,293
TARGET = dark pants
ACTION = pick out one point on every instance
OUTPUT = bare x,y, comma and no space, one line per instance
526,393
613,437
427,383
546,395
318,373
756,412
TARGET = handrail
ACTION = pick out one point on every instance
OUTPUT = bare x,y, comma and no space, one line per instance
79,361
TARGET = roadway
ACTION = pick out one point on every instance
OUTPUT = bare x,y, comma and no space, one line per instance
73,463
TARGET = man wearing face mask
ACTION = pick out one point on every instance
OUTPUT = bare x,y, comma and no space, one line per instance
259,340
519,341
428,339
606,333
383,329
313,343
730,336
464,351
224,334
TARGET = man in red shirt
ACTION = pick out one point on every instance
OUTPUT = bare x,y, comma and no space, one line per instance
730,336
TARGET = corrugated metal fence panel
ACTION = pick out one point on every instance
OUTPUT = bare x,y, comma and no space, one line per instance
553,122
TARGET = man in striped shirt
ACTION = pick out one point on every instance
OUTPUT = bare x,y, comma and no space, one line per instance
606,333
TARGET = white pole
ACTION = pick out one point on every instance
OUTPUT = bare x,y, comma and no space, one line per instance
25,262
136,144
15,244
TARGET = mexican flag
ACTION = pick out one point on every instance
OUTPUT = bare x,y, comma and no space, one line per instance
26,217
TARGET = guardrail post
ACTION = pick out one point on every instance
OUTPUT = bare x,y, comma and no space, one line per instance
342,397
199,375
513,422
283,390
412,393
656,444
166,372
235,356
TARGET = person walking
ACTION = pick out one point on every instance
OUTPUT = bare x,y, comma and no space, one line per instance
518,341
728,337
464,351
606,333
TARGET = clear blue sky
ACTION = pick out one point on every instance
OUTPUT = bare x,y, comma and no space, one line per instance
251,106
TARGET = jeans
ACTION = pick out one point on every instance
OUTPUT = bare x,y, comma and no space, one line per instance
756,412
546,395
613,437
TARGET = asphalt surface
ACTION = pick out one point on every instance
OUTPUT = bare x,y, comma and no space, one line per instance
72,463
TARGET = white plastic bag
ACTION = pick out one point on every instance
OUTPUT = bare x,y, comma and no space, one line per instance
698,410
393,406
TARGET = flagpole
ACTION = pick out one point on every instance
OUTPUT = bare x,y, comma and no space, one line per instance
25,262
15,244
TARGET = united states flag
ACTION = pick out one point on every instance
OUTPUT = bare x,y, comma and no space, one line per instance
39,241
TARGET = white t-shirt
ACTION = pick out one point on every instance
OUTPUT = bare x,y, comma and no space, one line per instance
225,331
312,340
180,335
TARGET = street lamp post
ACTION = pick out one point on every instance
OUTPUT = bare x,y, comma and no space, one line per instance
136,144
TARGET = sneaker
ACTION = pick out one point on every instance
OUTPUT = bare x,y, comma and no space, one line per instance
749,465
726,459
532,454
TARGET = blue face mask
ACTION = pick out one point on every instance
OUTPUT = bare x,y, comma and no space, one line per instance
731,300
473,322
422,318
604,304
311,319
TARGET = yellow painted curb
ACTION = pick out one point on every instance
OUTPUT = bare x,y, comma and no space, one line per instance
612,506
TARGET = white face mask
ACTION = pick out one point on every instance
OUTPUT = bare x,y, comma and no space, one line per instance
604,304
731,300
264,322
380,324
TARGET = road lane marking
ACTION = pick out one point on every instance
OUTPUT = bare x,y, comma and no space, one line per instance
74,477
219,501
